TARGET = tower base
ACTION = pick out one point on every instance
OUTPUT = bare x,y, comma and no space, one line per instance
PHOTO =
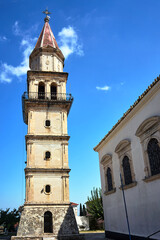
66,237
48,222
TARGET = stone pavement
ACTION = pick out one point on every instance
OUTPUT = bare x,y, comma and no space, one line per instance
95,236
88,236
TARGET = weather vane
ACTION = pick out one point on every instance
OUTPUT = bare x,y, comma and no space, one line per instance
47,13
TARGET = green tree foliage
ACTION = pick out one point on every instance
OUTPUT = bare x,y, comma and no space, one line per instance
94,204
81,211
9,218
84,210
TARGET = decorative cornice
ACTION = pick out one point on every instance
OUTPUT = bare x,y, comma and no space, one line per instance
45,103
125,187
110,192
140,98
53,51
28,103
123,144
46,137
147,124
30,204
106,158
48,170
35,74
152,178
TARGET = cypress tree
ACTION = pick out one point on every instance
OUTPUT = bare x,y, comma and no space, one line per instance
81,211
84,210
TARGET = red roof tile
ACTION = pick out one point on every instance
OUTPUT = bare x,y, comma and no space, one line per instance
46,37
74,204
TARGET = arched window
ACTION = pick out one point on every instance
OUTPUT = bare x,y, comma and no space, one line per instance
41,91
48,227
47,188
47,123
109,179
53,92
126,171
153,150
47,155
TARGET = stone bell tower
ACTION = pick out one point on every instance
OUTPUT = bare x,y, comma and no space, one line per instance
47,212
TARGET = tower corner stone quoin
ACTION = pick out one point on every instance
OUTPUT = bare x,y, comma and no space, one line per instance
47,213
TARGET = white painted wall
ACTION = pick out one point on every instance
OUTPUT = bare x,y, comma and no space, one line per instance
143,200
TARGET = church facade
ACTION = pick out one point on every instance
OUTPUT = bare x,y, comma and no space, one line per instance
132,149
47,212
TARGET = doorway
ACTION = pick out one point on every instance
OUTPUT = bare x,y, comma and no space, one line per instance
48,227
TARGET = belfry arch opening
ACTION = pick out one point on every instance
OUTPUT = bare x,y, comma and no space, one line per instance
41,90
53,92
48,226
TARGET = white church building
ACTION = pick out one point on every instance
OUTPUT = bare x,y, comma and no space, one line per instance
132,148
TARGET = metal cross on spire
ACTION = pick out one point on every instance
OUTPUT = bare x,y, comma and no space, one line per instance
47,13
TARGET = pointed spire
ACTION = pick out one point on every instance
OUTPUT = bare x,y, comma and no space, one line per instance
46,37
46,56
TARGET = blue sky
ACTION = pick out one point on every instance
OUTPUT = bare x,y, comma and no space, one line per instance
112,53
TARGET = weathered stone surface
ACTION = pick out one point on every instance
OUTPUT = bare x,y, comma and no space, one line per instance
67,237
32,221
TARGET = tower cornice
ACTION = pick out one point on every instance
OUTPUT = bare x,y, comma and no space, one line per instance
52,204
47,137
35,75
48,170
44,103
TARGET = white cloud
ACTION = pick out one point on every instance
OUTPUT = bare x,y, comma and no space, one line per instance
9,71
4,77
69,44
16,30
3,38
105,88
68,40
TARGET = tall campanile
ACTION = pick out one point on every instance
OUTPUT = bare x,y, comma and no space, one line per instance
47,212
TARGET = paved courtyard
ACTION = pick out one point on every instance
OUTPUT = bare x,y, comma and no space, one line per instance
95,236
88,236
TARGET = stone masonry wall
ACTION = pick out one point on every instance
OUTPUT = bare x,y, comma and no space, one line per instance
32,221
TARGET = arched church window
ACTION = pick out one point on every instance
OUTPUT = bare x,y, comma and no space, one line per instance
41,90
126,171
109,179
48,226
109,185
47,155
153,150
53,92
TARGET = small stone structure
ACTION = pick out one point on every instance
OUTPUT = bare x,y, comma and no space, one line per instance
83,223
32,220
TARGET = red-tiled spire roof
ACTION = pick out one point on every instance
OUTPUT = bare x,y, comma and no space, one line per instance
46,37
